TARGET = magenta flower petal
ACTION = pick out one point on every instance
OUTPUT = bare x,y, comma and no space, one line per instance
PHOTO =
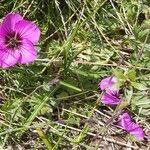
111,94
2,40
110,99
28,30
27,52
126,123
137,131
8,58
10,21
107,83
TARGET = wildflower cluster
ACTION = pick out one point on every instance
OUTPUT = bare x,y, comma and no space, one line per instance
111,96
18,38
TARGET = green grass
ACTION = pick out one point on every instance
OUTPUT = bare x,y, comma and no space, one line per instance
54,103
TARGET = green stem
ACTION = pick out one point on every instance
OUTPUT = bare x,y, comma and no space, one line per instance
44,138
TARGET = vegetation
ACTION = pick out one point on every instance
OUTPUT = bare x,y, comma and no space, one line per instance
54,103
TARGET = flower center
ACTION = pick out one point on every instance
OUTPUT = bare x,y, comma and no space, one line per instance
13,40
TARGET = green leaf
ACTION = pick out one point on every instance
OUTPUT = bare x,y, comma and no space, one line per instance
141,101
139,86
73,120
119,74
132,75
45,139
70,86
63,95
82,135
123,105
146,24
129,94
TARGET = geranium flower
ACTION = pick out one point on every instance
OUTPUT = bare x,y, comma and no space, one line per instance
107,84
17,39
126,123
110,98
111,93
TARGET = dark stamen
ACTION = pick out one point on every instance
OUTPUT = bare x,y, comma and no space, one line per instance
13,40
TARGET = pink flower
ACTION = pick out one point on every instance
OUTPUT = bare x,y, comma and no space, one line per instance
107,83
126,123
111,94
17,40
110,98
